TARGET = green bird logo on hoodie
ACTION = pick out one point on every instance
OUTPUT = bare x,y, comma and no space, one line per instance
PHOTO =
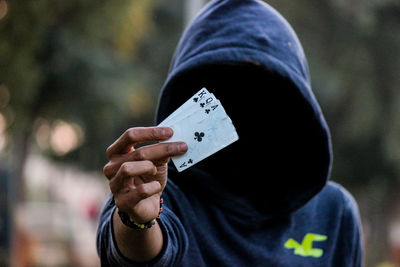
305,249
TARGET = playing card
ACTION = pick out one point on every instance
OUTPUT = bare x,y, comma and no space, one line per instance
204,127
202,106
188,107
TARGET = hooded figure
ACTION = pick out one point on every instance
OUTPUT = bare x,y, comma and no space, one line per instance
265,199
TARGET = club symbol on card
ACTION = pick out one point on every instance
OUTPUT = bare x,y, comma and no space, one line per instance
202,105
198,136
190,161
207,110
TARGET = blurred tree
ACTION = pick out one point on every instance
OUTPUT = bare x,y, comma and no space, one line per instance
95,66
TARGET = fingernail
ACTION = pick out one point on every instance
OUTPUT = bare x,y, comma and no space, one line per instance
166,132
182,147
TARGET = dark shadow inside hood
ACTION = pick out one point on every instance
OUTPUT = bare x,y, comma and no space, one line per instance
282,157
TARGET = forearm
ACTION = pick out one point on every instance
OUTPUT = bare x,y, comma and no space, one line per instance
137,245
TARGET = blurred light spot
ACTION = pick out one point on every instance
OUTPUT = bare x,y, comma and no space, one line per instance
4,95
42,133
65,137
3,137
3,8
394,235
140,103
3,141
3,123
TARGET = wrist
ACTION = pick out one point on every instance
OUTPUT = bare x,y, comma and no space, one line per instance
131,223
127,221
136,245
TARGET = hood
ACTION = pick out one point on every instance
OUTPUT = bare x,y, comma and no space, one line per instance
247,54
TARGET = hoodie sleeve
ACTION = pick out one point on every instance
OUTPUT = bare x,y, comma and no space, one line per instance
174,244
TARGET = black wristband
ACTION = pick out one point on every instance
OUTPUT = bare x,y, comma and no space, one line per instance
126,220
131,224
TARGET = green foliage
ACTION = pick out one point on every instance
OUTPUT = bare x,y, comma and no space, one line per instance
97,64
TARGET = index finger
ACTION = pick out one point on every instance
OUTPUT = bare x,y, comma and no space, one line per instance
136,135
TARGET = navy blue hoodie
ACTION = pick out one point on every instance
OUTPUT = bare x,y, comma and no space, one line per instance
264,200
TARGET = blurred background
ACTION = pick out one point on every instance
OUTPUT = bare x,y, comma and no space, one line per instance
75,74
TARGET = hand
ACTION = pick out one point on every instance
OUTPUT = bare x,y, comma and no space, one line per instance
138,176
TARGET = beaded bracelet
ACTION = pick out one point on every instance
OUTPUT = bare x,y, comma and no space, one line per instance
126,220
